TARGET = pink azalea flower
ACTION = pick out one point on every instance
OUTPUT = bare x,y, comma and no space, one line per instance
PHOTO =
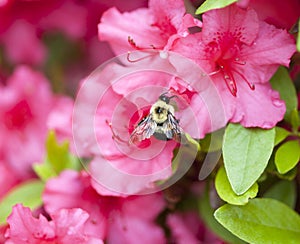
30,50
25,102
104,121
155,27
241,54
27,107
69,17
188,228
151,159
115,219
149,162
66,226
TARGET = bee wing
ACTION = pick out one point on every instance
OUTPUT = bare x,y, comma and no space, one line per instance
172,129
145,129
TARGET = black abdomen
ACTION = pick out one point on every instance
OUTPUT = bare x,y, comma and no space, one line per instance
161,136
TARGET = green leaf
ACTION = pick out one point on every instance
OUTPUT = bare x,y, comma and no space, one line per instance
226,193
287,156
28,193
281,134
212,142
271,170
294,120
261,221
246,152
282,82
184,156
57,159
44,171
192,142
284,191
291,175
207,214
57,154
213,4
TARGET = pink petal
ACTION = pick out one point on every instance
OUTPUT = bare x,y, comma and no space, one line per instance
24,109
125,176
67,226
30,50
259,108
194,42
186,227
242,24
184,230
158,26
24,227
69,221
79,194
56,197
206,113
116,27
70,226
168,13
135,206
69,17
100,188
272,46
131,230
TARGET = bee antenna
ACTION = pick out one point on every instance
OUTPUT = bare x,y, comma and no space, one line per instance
163,94
165,98
173,96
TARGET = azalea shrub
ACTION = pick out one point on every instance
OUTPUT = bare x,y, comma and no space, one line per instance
159,121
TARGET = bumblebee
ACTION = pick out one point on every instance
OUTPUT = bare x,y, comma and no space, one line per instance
161,123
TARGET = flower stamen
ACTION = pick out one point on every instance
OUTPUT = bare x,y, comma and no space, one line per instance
115,137
230,82
138,59
152,50
228,78
238,61
251,85
213,73
136,47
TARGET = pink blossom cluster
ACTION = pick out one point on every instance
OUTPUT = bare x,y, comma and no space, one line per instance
238,48
239,51
27,110
238,54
